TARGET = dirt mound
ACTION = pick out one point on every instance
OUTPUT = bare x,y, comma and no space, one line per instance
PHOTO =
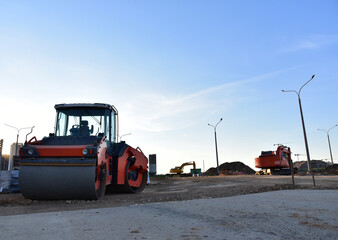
316,165
333,169
232,168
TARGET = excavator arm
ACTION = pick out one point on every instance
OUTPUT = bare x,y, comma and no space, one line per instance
179,169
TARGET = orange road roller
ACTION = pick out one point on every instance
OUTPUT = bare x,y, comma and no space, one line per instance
82,159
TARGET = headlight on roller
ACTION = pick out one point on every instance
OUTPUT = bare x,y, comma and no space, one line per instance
85,151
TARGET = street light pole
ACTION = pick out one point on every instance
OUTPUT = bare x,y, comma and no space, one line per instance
17,139
297,155
328,139
304,131
216,143
305,138
124,135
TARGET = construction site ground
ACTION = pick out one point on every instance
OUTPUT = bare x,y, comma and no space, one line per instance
286,214
164,189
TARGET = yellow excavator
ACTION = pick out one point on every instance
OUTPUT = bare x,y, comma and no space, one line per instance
179,169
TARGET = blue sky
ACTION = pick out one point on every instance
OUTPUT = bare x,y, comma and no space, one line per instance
172,67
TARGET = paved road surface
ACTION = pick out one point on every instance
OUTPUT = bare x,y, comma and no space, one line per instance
288,214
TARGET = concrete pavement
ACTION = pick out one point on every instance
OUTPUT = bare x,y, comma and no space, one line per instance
289,214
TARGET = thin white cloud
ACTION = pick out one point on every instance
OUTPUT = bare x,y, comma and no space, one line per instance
313,42
156,112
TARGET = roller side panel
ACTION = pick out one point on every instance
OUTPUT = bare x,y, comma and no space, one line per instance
131,174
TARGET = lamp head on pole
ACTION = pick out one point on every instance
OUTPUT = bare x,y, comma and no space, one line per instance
332,127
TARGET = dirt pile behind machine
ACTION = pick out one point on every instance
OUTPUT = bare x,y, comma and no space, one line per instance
230,168
82,158
275,162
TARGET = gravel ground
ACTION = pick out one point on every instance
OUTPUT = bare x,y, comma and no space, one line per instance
172,189
287,214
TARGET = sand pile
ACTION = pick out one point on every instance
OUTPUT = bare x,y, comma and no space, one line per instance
232,168
332,169
316,165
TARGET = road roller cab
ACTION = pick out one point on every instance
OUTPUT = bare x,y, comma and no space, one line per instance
82,158
83,120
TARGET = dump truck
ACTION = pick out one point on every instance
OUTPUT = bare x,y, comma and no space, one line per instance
277,162
83,158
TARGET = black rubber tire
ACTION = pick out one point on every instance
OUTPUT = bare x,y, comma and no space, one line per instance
135,189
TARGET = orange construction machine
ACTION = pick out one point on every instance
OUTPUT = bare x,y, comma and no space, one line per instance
82,158
275,162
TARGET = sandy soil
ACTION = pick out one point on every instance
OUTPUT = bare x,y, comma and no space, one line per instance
171,189
287,214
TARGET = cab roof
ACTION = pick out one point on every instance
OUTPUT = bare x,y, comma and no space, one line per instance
85,105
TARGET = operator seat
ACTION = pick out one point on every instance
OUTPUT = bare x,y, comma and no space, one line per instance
84,129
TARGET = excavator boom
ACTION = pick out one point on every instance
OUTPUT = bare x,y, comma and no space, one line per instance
179,169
